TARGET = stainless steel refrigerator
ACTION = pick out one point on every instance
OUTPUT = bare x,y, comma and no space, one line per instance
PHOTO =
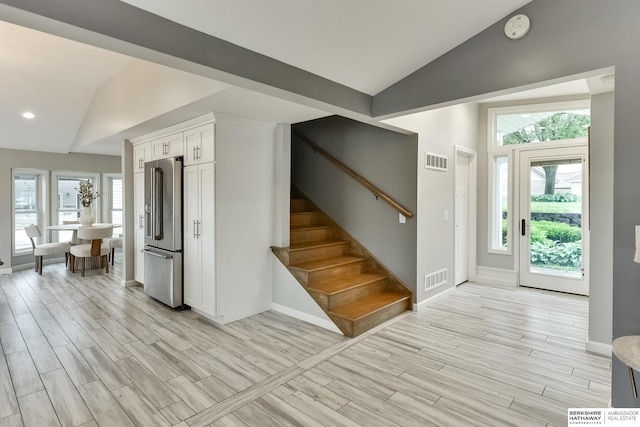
163,230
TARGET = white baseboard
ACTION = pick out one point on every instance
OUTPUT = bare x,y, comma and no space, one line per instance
7,270
496,276
305,317
129,283
598,348
424,303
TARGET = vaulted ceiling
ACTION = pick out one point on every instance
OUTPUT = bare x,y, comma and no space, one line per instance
364,45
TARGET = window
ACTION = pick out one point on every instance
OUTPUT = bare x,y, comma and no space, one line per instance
115,200
27,196
539,123
68,206
499,205
511,130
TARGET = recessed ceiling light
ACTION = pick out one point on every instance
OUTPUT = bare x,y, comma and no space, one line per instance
28,115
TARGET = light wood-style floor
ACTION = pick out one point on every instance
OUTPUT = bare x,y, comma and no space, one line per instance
86,352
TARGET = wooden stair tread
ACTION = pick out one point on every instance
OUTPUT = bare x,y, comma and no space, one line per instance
309,227
339,284
315,244
367,305
326,263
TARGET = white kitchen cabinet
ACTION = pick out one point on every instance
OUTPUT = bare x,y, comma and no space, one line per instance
167,146
200,290
141,154
138,191
199,145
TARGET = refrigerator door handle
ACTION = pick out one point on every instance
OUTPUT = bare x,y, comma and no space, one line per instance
155,254
156,203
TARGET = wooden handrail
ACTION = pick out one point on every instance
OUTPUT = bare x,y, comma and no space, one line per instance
353,174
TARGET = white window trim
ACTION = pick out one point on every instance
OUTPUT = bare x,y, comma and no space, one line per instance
106,197
42,200
493,113
492,202
513,151
94,177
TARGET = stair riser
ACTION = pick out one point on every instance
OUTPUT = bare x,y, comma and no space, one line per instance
354,328
298,205
304,255
380,316
304,218
330,301
314,235
327,273
357,293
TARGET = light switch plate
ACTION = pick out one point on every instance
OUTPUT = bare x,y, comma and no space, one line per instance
445,215
402,219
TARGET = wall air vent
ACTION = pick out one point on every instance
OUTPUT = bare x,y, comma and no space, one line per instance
435,161
434,279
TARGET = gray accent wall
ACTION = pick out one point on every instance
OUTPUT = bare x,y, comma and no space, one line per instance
567,38
601,218
385,158
10,159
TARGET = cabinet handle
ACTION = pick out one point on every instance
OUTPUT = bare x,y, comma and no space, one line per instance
197,153
194,153
194,229
165,148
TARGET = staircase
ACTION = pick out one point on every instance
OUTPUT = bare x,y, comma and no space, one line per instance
351,286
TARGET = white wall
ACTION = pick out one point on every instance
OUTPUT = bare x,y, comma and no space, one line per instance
244,216
439,131
139,92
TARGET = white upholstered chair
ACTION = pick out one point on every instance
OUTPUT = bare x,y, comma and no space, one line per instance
33,231
97,249
114,243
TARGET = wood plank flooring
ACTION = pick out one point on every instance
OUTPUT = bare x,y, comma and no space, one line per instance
88,352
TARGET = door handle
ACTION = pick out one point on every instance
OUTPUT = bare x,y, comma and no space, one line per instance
524,223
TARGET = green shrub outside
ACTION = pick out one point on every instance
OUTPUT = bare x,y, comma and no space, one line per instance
559,197
555,231
557,255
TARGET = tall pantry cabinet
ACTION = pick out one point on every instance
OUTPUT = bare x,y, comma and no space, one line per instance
228,187
199,220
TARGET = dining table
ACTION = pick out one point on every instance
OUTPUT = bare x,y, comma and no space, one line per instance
94,263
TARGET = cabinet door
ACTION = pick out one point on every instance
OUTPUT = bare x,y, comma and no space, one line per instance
199,145
138,194
167,146
175,145
191,207
207,240
141,154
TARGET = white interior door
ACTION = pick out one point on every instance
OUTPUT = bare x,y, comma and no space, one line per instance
462,219
553,225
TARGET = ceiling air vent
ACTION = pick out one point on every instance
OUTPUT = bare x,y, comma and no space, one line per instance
435,161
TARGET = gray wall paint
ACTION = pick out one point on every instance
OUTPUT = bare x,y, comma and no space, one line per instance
601,188
567,38
385,158
10,159
173,44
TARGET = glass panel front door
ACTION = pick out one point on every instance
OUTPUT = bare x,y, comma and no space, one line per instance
553,224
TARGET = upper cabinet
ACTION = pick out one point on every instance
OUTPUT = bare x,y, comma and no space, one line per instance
199,145
141,154
167,146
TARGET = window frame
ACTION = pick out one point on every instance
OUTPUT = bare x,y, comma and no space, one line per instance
109,178
56,210
513,152
495,227
494,112
41,177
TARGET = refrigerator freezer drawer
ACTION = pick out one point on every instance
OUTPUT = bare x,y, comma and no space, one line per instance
163,276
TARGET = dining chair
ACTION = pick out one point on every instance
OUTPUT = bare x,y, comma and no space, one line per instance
114,243
96,249
39,251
